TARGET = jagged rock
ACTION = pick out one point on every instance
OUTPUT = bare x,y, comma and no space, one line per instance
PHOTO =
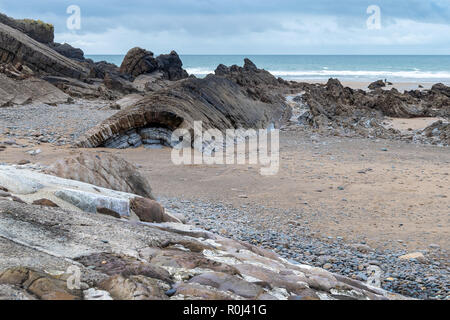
35,29
333,106
377,85
171,66
31,90
68,51
104,170
139,61
17,47
217,101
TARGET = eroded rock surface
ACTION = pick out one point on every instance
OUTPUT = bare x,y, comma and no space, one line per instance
124,260
104,170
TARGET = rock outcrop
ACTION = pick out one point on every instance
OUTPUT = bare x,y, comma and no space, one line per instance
17,47
219,102
139,61
30,90
333,100
35,29
105,170
42,248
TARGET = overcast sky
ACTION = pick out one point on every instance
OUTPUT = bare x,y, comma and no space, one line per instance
247,26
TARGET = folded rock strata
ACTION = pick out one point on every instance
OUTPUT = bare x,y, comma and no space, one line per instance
217,101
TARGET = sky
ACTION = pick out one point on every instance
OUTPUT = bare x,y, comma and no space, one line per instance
247,26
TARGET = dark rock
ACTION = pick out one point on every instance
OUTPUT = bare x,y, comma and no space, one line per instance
377,84
16,47
171,66
148,210
68,51
139,61
45,203
35,29
108,212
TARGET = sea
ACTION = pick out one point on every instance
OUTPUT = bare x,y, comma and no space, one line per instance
357,68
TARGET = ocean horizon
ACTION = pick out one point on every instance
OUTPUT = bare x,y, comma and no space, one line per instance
357,68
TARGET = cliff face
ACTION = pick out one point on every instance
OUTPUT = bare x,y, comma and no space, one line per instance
17,47
35,29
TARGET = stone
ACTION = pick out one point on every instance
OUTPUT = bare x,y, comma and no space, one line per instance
419,256
68,51
89,202
38,284
377,84
45,203
228,283
96,295
103,170
132,288
148,210
108,212
203,292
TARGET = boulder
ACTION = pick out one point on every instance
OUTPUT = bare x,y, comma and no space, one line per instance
139,61
149,210
103,170
171,66
377,85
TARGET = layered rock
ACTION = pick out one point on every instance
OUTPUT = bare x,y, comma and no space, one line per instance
42,247
16,46
217,101
333,100
29,90
104,170
35,29
139,61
